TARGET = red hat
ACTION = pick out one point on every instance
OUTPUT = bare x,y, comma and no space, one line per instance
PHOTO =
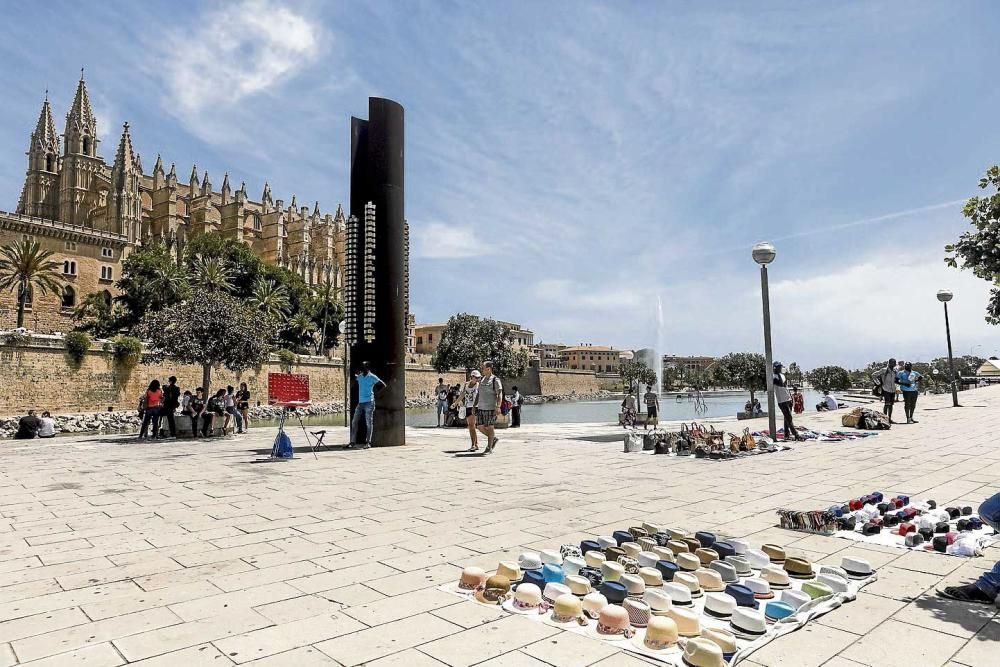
906,528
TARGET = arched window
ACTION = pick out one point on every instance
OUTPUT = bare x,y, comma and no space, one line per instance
68,298
86,145
49,162
107,297
69,267
29,298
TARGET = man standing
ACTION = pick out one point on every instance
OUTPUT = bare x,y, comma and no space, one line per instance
367,381
171,399
488,405
886,380
441,393
516,401
909,382
652,401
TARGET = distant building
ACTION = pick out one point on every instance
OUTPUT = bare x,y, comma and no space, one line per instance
596,358
428,336
989,369
688,365
548,354
411,338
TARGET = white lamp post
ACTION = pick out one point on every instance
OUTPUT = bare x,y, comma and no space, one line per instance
764,253
944,296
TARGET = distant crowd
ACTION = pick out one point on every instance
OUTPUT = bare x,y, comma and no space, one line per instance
208,414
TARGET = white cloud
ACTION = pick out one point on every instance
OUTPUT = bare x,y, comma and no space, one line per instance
436,240
243,49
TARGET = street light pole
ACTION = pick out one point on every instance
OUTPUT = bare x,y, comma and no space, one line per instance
944,296
764,253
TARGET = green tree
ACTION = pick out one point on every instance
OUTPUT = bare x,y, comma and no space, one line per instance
327,312
24,268
244,268
211,274
794,374
151,280
634,373
213,330
299,332
977,250
270,298
741,369
467,341
829,378
98,315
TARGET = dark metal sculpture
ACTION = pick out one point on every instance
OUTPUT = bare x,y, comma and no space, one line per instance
376,281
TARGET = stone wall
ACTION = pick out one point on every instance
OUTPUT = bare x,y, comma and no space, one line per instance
41,376
563,382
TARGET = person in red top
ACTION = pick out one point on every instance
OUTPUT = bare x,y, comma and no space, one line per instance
152,400
798,402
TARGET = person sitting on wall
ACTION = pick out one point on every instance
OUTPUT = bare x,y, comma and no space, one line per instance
756,409
47,429
27,426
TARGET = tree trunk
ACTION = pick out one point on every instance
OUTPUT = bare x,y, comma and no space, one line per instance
206,378
22,291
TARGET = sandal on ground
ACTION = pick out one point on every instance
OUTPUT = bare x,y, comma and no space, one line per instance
966,593
474,448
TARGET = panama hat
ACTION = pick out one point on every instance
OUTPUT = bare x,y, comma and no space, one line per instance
614,553
593,575
651,576
691,543
706,556
550,557
724,548
573,564
676,534
631,565
776,577
593,603
658,601
691,581
567,609
661,635
614,591
611,571
636,532
726,571
677,547
612,624
744,596
710,580
837,584
856,568
651,528
605,541
687,620
679,594
795,598
647,559
578,586
590,545
833,569
740,545
554,590
634,585
741,564
775,553
552,573
777,610
594,558
700,652
638,612
799,568
509,569
647,543
757,559
529,561
632,549
720,605
706,538
748,623
688,562
527,600
471,579
667,569
494,590
761,589
665,553
815,589
724,639
621,536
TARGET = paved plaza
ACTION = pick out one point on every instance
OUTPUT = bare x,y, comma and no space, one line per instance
183,553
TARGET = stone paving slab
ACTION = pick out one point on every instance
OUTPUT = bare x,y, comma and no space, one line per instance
118,552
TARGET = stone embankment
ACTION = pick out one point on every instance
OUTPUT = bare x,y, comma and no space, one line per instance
601,395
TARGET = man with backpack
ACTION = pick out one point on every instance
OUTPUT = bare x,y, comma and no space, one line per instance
488,405
885,381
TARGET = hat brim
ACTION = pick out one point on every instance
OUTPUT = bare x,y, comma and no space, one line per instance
593,632
779,587
639,642
746,634
862,575
508,606
802,575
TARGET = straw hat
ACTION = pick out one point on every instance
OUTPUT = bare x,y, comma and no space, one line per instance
665,553
573,564
529,561
494,590
634,585
568,550
679,594
658,601
777,610
748,623
593,603
795,598
740,545
774,552
700,652
661,634
710,580
856,568
509,569
551,557
594,558
631,565
611,571
688,562
687,620
741,564
527,599
706,556
677,546
724,639
647,543
726,571
605,541
612,623
638,612
578,585
761,589
720,605
675,534
799,568
706,538
776,577
632,549
651,528
471,579
651,577
690,581
567,608
647,559
554,590
815,589
757,559
614,553
692,543
552,573
837,584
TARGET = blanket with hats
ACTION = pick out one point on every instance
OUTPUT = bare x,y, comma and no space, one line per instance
672,596
897,522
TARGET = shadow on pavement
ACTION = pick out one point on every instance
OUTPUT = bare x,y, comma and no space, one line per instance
969,616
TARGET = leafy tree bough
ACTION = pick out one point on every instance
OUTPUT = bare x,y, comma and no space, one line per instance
467,341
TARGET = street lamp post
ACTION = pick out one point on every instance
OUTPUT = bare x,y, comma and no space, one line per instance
944,296
764,253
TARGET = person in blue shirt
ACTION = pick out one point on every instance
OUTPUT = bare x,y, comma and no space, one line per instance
367,381
909,380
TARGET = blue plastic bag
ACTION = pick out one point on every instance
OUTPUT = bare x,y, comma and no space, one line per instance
283,446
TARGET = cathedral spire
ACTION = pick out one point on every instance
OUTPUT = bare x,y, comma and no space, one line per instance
81,125
226,191
125,159
316,210
172,175
45,129
206,185
158,176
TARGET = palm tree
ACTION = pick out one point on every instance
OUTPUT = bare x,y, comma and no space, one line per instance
270,297
24,266
211,274
300,328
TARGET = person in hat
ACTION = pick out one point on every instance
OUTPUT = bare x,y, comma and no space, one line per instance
828,403
885,380
986,589
652,401
487,405
469,394
367,382
784,401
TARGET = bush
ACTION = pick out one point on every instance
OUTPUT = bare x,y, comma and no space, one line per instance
285,359
126,350
77,345
17,339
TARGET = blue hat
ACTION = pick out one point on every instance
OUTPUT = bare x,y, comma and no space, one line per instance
744,596
778,364
707,539
724,549
878,496
667,569
553,574
533,577
614,591
589,545
622,536
837,511
777,610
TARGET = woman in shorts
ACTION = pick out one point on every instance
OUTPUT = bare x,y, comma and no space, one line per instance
469,393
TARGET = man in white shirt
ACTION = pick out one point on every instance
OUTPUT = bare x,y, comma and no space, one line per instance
47,428
885,380
828,403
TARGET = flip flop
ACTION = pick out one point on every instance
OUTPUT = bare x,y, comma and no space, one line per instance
959,593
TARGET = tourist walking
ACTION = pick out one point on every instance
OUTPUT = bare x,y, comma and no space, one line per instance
441,395
652,401
986,589
628,410
200,418
231,411
243,405
469,395
885,381
909,383
798,402
516,401
488,401
171,400
365,410
27,426
46,426
152,401
784,400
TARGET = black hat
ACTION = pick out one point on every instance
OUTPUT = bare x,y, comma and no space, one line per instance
941,543
932,504
963,525
966,511
884,507
927,534
891,520
871,529
954,512
942,527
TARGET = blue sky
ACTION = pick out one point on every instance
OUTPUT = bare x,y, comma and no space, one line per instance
569,162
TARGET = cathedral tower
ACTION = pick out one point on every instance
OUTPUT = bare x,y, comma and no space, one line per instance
40,195
80,164
124,199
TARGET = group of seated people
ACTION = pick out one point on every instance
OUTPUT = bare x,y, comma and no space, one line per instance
30,426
